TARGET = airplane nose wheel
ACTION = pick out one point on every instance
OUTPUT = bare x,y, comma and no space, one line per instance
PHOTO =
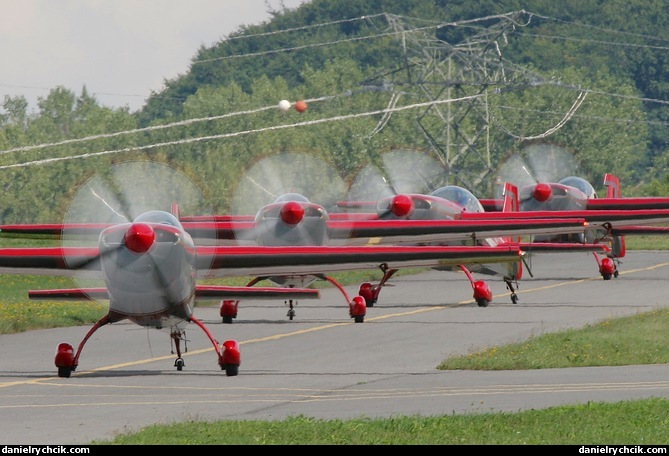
177,337
291,310
514,296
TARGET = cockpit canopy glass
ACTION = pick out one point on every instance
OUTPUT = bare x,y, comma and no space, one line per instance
162,217
581,184
460,196
292,197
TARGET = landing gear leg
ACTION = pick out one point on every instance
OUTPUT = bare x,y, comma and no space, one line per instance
229,355
291,309
482,292
177,337
608,266
357,308
371,292
509,286
66,361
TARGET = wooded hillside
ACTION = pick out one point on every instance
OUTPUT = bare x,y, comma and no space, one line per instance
468,82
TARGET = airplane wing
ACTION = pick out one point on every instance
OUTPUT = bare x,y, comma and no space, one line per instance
631,203
356,232
57,261
202,292
649,202
639,229
219,227
353,230
70,294
561,247
224,261
53,229
235,261
218,292
594,218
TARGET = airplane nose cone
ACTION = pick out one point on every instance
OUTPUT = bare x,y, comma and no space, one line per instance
292,213
139,237
402,205
542,192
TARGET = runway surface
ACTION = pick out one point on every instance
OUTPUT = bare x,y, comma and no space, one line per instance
322,364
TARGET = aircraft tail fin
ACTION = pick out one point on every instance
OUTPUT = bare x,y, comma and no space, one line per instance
175,210
511,204
511,200
612,183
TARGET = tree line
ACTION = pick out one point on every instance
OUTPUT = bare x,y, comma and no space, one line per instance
588,82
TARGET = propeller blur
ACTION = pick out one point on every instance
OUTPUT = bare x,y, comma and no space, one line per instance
147,266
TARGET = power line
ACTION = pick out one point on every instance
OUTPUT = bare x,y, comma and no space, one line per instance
423,43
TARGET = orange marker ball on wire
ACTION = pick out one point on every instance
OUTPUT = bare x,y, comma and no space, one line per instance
300,106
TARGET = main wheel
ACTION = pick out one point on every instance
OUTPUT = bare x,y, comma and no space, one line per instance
64,371
231,370
482,302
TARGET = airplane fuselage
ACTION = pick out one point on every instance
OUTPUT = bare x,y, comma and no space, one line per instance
155,288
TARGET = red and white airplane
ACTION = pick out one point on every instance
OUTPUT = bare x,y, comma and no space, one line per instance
290,218
440,218
613,215
293,220
459,205
608,219
150,268
147,265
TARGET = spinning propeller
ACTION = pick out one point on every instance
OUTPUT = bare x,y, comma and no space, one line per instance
136,193
290,196
533,171
401,172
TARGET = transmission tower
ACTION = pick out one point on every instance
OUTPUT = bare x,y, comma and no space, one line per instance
459,60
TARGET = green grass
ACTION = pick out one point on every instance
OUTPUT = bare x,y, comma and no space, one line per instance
641,422
20,314
651,242
638,339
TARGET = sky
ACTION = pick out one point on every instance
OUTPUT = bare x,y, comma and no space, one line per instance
120,50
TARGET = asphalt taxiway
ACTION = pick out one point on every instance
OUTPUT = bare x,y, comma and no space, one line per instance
324,365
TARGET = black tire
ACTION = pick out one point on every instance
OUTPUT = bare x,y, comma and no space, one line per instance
179,363
359,318
64,372
482,302
227,319
514,298
231,370
606,276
